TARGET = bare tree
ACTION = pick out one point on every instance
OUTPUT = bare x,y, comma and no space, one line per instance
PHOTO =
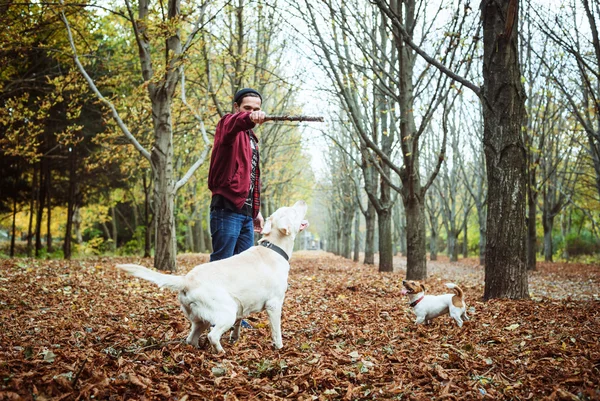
583,94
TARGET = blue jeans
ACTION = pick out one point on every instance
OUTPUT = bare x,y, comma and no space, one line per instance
231,233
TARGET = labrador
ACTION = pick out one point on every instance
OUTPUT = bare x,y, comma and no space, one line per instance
221,293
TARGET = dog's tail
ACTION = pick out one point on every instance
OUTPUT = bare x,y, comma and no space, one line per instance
457,290
162,280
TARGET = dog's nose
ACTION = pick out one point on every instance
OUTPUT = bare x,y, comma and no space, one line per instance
403,281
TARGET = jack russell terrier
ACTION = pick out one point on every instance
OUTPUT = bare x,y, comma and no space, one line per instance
428,307
223,292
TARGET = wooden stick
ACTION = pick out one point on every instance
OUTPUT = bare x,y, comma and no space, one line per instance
295,118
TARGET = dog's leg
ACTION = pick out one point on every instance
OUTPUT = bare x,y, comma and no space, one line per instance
420,319
464,315
235,333
455,314
195,331
224,323
274,311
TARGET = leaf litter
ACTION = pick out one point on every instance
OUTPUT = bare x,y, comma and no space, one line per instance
82,330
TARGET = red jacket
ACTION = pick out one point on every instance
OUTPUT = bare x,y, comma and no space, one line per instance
231,158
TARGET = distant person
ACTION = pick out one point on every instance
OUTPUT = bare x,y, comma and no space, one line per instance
234,178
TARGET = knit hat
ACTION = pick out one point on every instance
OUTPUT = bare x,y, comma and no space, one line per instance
243,92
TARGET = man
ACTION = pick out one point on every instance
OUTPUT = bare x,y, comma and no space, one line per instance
234,178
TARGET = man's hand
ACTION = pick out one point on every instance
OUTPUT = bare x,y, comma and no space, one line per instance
259,223
258,117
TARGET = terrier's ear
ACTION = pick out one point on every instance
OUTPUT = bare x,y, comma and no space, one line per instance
267,227
423,287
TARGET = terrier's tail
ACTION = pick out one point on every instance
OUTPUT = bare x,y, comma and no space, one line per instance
457,290
162,280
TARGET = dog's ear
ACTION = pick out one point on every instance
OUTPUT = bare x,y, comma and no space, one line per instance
267,227
423,287
285,226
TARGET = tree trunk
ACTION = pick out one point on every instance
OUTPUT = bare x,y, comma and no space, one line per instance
164,183
14,228
452,245
403,237
40,210
548,225
207,237
77,220
347,236
114,229
70,207
370,235
416,265
531,230
356,236
481,212
48,195
386,250
201,244
433,243
503,104
147,220
465,230
32,204
565,227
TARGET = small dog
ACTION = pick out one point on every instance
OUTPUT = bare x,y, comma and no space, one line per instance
428,307
223,292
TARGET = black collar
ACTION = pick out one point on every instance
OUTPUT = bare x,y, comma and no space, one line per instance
274,247
413,304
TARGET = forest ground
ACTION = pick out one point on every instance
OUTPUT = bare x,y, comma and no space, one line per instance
82,330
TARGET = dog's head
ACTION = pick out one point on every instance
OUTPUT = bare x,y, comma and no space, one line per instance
412,287
287,221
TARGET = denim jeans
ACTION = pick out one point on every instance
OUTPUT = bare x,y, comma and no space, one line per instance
231,232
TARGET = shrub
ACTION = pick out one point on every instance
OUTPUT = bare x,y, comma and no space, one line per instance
582,244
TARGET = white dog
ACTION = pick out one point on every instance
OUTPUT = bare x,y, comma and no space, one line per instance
223,292
428,307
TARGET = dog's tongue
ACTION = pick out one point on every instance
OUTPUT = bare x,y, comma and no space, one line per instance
404,292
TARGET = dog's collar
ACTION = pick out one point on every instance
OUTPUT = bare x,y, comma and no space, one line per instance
274,247
414,303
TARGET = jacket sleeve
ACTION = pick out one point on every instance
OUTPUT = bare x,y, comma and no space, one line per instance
232,124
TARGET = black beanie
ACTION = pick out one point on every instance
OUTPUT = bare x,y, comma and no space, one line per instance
243,92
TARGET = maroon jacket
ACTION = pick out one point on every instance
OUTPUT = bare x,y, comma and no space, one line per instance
231,159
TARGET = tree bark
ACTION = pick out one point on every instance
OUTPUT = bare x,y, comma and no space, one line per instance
433,243
548,225
113,227
48,194
70,207
147,219
531,228
504,103
386,250
347,236
465,230
40,210
356,236
415,241
14,228
32,204
452,245
370,221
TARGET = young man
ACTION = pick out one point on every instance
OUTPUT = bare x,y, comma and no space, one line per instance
234,178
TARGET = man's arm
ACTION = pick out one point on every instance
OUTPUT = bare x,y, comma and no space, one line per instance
231,124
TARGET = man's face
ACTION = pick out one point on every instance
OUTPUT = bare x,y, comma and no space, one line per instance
249,103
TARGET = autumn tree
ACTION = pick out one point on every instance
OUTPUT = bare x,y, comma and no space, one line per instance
155,28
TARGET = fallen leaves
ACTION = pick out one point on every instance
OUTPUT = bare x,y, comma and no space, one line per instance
81,329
